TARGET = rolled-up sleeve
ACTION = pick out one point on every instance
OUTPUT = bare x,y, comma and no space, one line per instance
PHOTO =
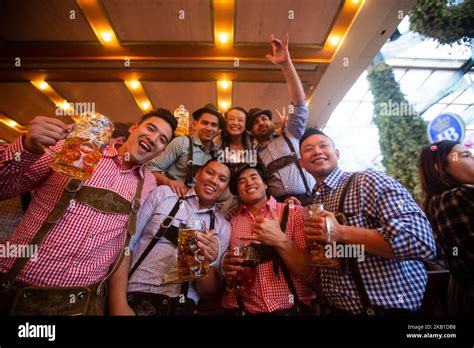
400,220
297,121
20,170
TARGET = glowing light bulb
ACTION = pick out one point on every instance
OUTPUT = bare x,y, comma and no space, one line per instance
107,36
334,40
43,85
223,37
145,105
134,84
224,84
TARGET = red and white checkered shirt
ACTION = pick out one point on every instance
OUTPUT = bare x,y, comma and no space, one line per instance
82,246
270,293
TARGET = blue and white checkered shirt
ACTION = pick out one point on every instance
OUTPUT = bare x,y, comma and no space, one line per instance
377,201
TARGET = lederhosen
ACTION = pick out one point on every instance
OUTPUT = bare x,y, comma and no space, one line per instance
191,168
285,161
270,254
155,304
350,265
22,299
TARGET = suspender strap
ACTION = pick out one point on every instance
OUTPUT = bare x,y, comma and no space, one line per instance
295,156
352,262
164,226
131,228
190,165
72,191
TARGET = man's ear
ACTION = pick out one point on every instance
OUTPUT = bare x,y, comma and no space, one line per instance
338,155
133,127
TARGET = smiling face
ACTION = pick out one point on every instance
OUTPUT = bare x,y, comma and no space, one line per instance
211,182
262,127
207,127
250,187
147,140
235,123
319,156
461,164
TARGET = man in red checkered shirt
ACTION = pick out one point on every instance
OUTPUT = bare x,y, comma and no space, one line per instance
259,218
82,245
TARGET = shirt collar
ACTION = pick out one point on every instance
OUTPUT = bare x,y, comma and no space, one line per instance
271,203
192,195
333,179
197,141
111,152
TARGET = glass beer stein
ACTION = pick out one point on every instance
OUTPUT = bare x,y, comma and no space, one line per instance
84,146
316,251
192,263
243,283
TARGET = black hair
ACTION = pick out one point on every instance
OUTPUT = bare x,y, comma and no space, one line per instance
164,114
226,139
312,131
433,162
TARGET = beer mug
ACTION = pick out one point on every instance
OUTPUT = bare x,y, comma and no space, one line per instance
83,146
316,251
192,263
243,283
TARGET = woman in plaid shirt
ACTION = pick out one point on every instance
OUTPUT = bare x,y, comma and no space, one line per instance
447,179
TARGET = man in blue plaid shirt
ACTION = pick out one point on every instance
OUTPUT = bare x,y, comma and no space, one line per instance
383,219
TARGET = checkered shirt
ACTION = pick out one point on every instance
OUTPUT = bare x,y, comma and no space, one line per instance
270,292
84,243
377,201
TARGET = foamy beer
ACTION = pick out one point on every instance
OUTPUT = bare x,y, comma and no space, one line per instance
243,283
182,115
83,147
192,263
316,251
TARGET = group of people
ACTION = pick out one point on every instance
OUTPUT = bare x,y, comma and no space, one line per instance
119,229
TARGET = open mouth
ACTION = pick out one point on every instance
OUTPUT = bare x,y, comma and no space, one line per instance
251,189
209,189
319,160
144,146
235,128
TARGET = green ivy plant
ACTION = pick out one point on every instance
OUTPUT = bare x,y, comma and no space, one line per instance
443,22
402,132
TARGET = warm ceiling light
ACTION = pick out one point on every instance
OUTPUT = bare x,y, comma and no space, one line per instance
11,123
224,84
334,40
107,36
224,105
145,105
43,85
355,1
223,37
134,84
65,105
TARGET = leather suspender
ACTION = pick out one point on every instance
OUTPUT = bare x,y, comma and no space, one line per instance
190,165
93,197
166,226
284,161
369,309
277,264
191,168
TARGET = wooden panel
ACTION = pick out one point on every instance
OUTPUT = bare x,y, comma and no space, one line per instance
272,96
43,20
8,134
139,20
193,95
111,98
256,20
22,101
